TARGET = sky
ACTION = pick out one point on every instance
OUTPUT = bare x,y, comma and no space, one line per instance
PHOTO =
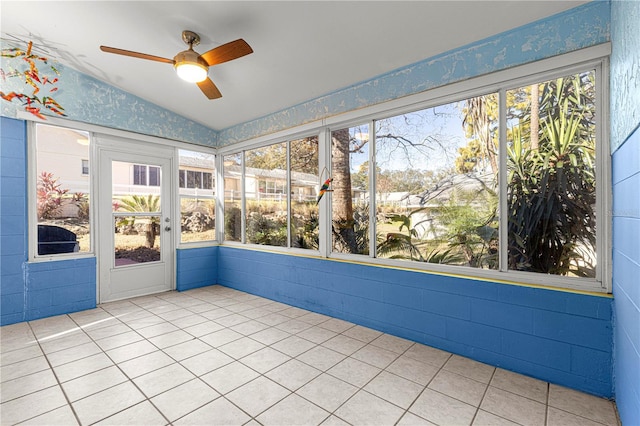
436,134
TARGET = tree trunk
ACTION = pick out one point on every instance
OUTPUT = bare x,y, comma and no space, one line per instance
342,199
150,235
535,116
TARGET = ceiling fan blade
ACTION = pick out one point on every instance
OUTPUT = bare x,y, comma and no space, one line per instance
135,54
209,89
227,52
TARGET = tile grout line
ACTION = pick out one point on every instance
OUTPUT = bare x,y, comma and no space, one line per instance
130,380
64,393
484,394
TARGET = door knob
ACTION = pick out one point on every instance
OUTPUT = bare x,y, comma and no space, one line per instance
167,228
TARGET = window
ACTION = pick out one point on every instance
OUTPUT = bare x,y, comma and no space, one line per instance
436,185
350,194
551,176
139,175
146,175
266,207
504,183
233,192
279,183
154,176
197,196
62,191
437,194
195,179
303,166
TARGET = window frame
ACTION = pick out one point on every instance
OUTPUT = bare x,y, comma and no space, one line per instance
593,58
315,133
215,188
32,203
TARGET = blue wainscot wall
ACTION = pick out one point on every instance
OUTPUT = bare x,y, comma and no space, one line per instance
557,336
626,285
196,267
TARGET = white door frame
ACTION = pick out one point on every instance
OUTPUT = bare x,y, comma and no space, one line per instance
112,148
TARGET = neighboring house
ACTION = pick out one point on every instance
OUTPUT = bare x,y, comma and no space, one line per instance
269,184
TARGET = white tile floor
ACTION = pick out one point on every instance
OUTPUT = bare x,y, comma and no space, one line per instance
220,356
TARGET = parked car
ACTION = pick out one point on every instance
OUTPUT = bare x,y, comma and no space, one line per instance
55,239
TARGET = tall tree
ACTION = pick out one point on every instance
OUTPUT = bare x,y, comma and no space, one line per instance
343,222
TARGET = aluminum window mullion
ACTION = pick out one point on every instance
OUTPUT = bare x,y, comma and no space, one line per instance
372,190
324,209
243,201
288,165
503,219
219,197
603,179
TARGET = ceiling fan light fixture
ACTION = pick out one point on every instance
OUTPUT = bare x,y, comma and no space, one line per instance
190,67
191,72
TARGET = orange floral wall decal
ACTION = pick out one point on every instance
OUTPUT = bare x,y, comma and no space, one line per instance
32,77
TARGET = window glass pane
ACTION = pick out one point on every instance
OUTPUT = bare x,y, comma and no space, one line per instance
350,199
193,179
207,180
233,197
62,190
136,236
304,181
136,240
197,204
551,173
85,167
139,175
266,214
182,178
154,176
436,184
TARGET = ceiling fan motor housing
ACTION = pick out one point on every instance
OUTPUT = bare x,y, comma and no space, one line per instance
189,56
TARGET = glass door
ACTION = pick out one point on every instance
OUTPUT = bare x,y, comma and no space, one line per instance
135,226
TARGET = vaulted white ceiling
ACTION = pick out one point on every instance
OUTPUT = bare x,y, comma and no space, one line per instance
302,49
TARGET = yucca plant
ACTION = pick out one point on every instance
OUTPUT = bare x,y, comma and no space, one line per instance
551,197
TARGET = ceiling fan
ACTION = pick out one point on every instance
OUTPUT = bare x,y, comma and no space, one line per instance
190,65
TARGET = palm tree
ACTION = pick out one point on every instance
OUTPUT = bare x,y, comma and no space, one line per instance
141,203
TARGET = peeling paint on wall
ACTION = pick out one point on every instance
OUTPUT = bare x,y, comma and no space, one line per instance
581,27
625,70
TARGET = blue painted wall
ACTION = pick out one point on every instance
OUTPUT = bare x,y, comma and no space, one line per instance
196,267
625,145
626,284
32,290
13,220
560,337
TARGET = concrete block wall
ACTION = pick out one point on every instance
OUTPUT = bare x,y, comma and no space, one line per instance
196,267
13,220
626,273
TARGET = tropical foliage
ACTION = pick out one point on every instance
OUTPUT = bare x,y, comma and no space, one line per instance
551,198
142,204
